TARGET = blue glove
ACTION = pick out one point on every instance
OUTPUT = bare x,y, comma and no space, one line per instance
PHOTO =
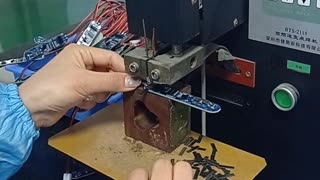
17,131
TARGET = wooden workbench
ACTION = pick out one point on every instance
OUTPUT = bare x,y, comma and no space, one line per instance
100,143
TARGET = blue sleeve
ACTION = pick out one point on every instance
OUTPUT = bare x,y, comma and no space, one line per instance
17,131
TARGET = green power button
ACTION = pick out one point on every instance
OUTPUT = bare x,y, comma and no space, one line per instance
285,97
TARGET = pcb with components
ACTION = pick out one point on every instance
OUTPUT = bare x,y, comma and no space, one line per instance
46,47
11,61
113,42
90,34
184,98
43,48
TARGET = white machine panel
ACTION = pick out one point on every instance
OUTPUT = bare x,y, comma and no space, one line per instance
288,23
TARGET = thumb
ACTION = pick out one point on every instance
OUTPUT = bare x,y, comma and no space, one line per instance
96,82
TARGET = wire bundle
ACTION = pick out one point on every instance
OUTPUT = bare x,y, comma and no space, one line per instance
112,16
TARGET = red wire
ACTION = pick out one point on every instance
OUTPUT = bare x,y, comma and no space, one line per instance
98,6
114,17
106,13
124,27
95,11
110,10
116,25
24,70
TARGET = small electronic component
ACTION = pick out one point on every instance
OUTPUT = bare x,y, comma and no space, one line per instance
113,43
184,98
90,34
45,47
34,53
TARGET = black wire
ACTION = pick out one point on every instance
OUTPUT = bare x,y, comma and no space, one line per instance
73,117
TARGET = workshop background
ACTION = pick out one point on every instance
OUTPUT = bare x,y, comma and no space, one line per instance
22,20
249,120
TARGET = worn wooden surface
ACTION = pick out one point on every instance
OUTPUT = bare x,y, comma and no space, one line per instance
100,143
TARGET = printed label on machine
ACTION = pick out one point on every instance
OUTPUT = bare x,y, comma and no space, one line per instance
288,23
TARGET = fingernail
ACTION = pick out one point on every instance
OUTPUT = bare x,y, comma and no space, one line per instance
132,82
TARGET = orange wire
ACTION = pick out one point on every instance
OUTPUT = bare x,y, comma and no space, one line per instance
108,10
98,6
116,25
104,14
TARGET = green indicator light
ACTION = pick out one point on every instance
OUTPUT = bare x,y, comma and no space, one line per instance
283,99
299,67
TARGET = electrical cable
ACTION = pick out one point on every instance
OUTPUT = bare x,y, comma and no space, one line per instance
96,11
20,78
114,18
73,117
116,26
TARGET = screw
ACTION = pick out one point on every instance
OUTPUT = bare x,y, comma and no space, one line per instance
155,74
235,22
134,67
177,50
248,74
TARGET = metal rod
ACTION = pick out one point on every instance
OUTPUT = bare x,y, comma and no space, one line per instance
153,43
145,38
203,96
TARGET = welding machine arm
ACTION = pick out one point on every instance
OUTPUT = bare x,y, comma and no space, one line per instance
17,131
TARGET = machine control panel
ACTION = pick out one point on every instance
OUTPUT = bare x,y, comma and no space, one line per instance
288,23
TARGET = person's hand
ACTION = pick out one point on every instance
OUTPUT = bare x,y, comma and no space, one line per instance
67,81
164,170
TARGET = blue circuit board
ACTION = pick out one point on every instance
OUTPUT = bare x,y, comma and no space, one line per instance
113,42
184,98
45,47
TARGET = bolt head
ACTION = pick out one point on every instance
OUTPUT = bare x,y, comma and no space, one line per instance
155,74
248,74
133,67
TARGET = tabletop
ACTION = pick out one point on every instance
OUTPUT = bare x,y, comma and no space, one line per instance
100,143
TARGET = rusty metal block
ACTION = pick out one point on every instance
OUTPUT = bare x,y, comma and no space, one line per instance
156,121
